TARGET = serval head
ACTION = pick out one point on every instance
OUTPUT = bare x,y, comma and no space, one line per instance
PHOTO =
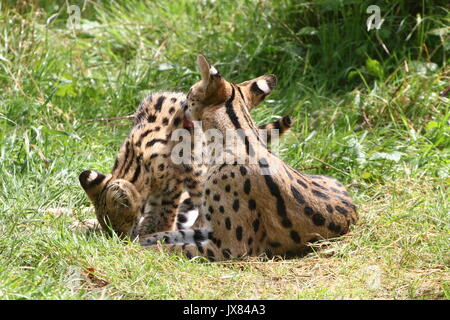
213,91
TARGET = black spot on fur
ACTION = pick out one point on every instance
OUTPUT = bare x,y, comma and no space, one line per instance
320,186
346,203
255,225
295,236
228,223
243,170
199,236
239,233
300,182
319,194
334,227
341,210
329,208
308,211
216,197
226,253
227,188
297,195
247,186
252,204
318,219
159,103
236,205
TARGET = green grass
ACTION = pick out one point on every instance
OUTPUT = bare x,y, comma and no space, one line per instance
373,119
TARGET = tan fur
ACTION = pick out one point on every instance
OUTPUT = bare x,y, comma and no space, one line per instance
253,212
146,192
143,177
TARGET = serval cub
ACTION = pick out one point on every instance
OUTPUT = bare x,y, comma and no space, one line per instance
261,206
146,191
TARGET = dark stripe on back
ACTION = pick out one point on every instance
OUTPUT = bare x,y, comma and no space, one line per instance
127,151
116,164
130,162
230,110
152,142
136,174
143,135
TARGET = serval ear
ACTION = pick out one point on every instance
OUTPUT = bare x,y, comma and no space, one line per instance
257,89
211,80
93,183
204,67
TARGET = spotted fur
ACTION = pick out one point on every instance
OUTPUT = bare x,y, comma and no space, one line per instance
146,192
267,207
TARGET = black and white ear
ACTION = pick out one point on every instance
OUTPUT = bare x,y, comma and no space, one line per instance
93,183
264,85
257,89
90,179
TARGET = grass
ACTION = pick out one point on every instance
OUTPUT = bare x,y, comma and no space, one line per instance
373,119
